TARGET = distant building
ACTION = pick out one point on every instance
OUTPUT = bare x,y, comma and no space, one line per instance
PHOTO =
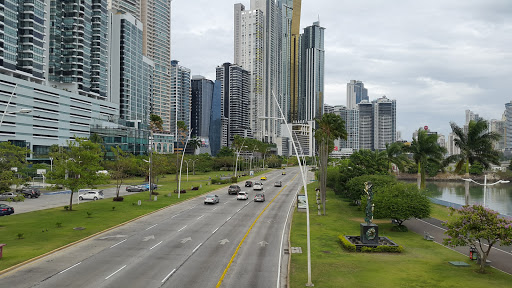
498,126
450,145
202,96
235,87
366,125
351,118
215,119
384,122
180,96
356,93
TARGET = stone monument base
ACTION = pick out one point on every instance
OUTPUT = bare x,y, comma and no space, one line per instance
369,233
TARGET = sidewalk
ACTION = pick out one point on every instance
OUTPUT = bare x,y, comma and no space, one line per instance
500,256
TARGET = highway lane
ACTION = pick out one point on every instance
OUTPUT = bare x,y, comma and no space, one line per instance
187,245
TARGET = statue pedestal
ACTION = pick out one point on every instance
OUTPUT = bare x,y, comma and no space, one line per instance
369,233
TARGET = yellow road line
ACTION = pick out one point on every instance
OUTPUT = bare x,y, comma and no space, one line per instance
243,239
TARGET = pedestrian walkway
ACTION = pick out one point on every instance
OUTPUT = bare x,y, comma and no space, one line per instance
500,256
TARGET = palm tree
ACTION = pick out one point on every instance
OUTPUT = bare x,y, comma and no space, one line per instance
329,128
194,143
395,155
425,150
476,145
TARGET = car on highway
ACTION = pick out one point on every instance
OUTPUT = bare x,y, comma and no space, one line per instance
8,195
211,199
242,196
283,172
91,195
248,183
260,197
278,184
263,178
234,189
134,188
6,210
257,186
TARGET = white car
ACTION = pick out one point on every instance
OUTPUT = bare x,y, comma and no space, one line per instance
91,195
211,199
242,196
257,186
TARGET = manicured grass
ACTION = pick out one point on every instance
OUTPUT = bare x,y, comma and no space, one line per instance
422,264
41,233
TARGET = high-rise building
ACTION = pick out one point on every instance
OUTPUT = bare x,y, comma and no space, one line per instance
180,96
215,119
384,122
131,73
508,125
155,16
498,126
351,118
78,48
201,109
365,125
24,35
356,93
235,87
311,77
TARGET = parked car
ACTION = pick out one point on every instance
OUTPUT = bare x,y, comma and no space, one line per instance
134,188
248,183
233,189
242,196
146,186
278,184
91,195
30,192
260,197
8,195
257,186
6,210
263,178
211,199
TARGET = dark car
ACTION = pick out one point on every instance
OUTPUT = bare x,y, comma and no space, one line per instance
248,183
134,188
30,192
6,210
233,189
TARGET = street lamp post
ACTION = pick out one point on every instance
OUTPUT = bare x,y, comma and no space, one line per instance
181,165
485,184
51,164
308,242
194,166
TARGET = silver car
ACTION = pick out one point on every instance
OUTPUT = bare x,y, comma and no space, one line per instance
211,199
91,195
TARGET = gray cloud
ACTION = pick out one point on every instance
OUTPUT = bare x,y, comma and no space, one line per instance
436,58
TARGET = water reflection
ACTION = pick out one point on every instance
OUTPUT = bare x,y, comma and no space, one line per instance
498,198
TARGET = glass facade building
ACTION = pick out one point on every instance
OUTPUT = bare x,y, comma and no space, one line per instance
180,95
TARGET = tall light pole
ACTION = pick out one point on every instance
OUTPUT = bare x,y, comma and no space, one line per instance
485,184
181,166
23,110
51,164
305,192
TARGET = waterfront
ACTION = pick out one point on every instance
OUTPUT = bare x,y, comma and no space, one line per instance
498,197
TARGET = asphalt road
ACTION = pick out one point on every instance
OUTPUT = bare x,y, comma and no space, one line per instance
234,243
57,199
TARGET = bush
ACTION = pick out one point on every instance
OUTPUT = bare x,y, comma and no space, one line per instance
399,228
154,193
347,244
118,199
383,248
219,181
66,207
234,179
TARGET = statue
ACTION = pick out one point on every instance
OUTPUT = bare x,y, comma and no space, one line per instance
369,205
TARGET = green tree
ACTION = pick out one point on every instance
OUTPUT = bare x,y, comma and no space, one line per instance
478,227
399,201
424,149
395,154
369,162
329,128
155,123
119,167
263,149
194,143
475,145
225,152
76,166
95,138
11,156
180,138
355,186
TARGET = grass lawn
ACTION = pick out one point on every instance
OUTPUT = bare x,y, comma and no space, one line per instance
31,234
422,264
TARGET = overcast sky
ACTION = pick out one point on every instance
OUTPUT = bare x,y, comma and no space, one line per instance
436,58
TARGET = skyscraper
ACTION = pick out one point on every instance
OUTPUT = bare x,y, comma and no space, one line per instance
78,48
356,93
384,122
180,95
351,118
365,125
131,72
311,77
201,109
155,16
235,86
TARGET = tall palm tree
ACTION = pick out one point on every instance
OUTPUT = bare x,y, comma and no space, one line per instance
395,155
476,145
194,143
329,128
425,150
